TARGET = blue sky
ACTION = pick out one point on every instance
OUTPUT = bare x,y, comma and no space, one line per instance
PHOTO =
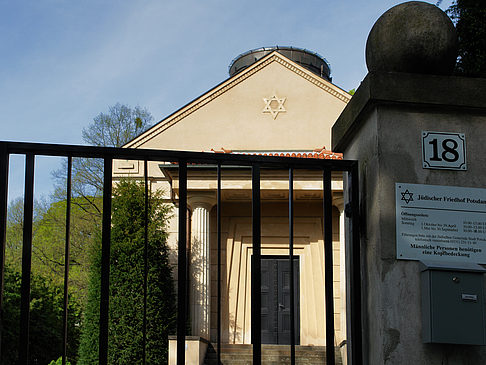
63,62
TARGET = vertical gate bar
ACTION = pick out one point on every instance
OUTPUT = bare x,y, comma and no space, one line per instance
105,261
66,259
328,267
145,262
355,284
291,257
218,198
4,162
256,303
26,259
181,264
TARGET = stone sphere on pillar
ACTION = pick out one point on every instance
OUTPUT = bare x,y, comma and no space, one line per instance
413,37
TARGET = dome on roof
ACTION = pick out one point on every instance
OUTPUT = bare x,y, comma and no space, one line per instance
305,58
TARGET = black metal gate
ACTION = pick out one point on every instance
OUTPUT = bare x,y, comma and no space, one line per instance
183,159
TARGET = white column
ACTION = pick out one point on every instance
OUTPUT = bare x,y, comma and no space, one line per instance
200,264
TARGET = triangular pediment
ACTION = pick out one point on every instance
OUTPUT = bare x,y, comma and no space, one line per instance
268,98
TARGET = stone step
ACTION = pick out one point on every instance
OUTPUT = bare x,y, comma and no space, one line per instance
271,355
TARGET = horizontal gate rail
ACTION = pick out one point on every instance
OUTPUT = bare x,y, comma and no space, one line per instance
175,156
182,161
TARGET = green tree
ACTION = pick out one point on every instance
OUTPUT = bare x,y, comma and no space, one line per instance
49,245
46,320
48,242
113,129
15,219
126,282
117,127
469,17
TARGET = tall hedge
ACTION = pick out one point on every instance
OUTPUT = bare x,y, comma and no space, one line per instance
126,283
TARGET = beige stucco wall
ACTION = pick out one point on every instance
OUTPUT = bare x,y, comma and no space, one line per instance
233,117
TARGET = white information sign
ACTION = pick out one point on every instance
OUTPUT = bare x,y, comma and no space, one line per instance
440,223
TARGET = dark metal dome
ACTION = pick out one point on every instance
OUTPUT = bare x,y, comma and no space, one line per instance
310,60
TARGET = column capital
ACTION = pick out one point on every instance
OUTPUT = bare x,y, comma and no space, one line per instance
338,201
201,200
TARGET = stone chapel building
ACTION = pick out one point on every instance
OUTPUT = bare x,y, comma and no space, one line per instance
277,101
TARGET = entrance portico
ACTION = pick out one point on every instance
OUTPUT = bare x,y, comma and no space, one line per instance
236,253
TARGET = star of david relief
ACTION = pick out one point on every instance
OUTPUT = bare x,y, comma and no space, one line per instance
274,105
407,196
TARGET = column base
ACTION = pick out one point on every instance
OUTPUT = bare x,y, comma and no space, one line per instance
196,348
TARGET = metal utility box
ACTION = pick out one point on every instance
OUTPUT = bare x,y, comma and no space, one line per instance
453,307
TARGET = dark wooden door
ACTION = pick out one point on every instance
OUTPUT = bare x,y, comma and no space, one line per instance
275,292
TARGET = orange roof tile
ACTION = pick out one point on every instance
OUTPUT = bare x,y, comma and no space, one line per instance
320,153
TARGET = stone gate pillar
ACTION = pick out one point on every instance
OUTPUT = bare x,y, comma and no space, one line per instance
409,90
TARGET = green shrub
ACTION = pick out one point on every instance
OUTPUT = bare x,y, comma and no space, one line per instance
46,320
126,283
59,362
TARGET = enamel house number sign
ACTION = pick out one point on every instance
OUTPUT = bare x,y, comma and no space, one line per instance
443,150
